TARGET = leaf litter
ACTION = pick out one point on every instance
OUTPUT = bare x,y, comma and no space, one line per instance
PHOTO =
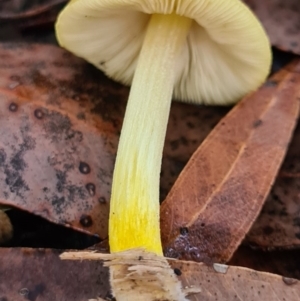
185,145
90,280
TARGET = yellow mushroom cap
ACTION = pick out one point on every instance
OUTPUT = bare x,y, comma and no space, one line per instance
226,55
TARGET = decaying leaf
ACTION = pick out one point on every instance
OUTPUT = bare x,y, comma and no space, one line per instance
58,133
281,19
65,280
188,126
227,283
278,225
223,187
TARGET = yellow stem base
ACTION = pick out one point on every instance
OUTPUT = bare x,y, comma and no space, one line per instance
134,213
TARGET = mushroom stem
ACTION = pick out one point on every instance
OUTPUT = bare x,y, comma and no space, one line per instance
134,207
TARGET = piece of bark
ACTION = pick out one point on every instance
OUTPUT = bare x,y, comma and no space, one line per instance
221,190
137,274
202,282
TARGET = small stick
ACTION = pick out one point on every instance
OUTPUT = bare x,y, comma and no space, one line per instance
137,274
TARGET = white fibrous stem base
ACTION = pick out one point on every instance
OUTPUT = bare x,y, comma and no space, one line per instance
139,275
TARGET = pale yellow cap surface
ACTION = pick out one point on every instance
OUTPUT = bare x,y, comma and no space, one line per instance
226,55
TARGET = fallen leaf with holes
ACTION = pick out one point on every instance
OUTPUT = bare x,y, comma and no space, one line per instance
221,190
90,279
278,225
59,132
59,125
281,19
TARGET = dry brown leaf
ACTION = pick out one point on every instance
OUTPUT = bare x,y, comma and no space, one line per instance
281,19
278,225
226,283
222,188
58,140
37,275
188,126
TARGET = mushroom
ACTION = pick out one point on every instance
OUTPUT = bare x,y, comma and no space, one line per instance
200,51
